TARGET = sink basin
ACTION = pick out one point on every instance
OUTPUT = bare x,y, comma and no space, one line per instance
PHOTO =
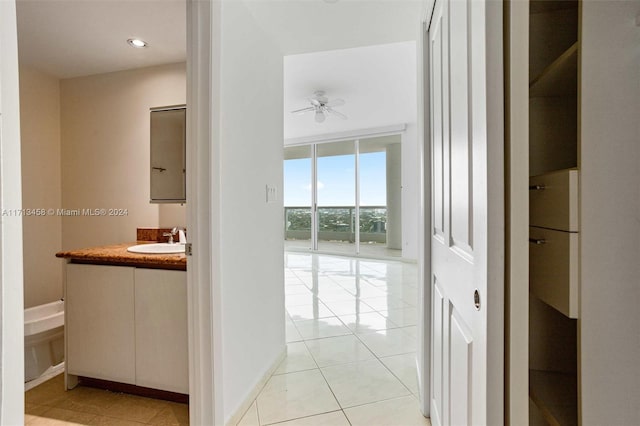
158,248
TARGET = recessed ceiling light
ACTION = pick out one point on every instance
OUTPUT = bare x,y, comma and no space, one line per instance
137,43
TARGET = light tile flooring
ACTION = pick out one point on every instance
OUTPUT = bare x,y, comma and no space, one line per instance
49,404
351,333
371,250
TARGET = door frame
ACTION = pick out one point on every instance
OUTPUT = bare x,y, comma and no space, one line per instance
11,278
517,212
203,193
425,329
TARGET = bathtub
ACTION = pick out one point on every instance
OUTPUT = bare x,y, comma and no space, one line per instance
43,343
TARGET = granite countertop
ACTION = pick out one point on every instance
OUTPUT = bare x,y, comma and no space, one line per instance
119,256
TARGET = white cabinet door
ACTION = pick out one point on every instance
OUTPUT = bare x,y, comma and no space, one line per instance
467,201
161,330
100,322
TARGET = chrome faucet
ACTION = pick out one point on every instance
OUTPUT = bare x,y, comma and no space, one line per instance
173,232
182,238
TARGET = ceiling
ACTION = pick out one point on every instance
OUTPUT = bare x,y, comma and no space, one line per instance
71,38
303,26
378,84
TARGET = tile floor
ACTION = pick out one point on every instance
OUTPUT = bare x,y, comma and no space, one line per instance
351,333
371,250
49,404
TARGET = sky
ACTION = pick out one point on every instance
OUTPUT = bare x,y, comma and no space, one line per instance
336,181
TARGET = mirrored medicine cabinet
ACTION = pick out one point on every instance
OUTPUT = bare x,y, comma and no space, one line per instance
168,154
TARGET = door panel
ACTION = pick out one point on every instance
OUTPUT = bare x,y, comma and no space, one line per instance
461,139
99,323
461,256
460,366
161,330
438,348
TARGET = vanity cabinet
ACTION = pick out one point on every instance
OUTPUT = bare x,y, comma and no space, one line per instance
127,325
99,309
161,330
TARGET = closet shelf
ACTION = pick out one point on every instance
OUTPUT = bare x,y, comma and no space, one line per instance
559,78
556,395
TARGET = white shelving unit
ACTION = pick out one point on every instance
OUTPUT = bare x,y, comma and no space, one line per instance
554,218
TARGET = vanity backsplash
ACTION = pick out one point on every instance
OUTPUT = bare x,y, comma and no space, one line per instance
152,234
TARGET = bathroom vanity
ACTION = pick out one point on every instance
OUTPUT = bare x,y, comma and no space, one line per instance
126,318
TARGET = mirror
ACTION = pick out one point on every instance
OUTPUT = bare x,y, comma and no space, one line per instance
168,154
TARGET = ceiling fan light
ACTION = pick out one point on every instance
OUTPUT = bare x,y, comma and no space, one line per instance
320,117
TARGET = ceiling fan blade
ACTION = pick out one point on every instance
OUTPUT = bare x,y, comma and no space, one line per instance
302,110
335,102
336,113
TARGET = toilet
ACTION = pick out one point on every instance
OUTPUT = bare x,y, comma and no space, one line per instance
43,343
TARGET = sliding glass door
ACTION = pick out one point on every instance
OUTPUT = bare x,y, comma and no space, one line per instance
298,197
336,195
344,197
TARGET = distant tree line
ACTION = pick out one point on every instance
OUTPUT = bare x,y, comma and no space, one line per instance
372,219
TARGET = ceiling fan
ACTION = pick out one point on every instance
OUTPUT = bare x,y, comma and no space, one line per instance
322,107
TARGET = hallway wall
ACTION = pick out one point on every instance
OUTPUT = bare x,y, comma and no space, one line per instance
251,232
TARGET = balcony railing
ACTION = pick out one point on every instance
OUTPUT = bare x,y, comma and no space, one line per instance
337,223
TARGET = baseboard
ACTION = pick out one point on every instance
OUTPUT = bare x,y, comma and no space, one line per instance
235,418
49,374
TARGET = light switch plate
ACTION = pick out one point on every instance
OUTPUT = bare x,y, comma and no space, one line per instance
272,194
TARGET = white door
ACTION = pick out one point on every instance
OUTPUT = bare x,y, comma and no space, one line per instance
467,217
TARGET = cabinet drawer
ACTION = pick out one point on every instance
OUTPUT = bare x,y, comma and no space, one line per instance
553,268
555,204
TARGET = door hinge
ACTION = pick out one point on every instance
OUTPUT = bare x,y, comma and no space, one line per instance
188,249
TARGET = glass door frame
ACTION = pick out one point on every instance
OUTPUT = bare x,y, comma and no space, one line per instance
314,197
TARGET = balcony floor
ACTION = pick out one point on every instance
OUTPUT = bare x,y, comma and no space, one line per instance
372,250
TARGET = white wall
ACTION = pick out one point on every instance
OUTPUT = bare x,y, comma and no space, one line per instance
610,209
170,215
41,185
11,314
251,234
105,152
410,191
